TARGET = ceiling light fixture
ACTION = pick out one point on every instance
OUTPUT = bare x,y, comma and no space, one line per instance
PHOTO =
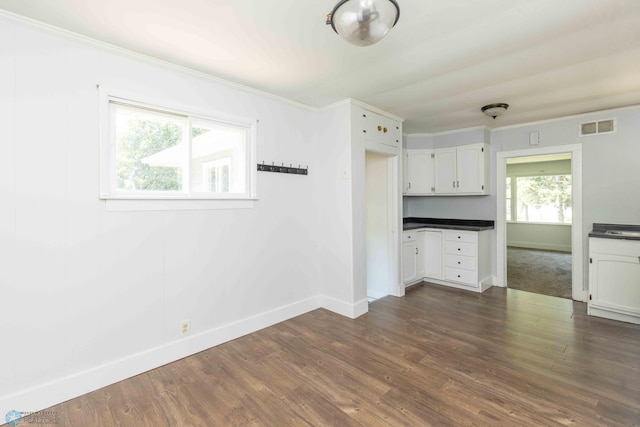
494,110
363,22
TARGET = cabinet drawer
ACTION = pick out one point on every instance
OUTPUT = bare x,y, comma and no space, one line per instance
409,236
461,236
460,248
464,262
461,276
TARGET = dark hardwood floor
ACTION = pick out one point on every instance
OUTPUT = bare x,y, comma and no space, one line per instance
438,356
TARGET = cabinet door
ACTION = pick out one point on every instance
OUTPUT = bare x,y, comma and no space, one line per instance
391,132
433,254
381,129
615,282
419,172
405,171
445,170
409,261
470,169
372,126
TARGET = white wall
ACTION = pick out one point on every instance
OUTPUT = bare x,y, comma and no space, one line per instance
377,223
93,296
332,190
552,237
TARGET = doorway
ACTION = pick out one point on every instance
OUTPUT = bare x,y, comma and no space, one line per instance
574,152
539,215
380,220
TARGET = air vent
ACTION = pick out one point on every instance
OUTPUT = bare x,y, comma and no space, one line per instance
595,128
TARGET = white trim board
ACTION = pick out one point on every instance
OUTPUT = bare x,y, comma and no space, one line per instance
578,291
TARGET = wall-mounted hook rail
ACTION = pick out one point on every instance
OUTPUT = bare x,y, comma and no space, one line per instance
262,167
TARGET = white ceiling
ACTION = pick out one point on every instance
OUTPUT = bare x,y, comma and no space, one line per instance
443,61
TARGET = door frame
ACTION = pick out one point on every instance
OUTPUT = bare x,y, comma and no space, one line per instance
578,291
394,223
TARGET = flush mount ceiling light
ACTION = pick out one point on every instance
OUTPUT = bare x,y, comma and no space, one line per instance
494,110
363,22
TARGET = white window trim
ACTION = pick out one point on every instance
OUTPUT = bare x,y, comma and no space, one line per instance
161,200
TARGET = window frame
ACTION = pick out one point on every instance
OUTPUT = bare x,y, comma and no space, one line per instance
169,200
514,198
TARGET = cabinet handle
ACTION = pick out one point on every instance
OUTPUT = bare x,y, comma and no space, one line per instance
458,237
379,128
458,248
416,251
458,276
458,262
409,186
384,130
454,184
458,184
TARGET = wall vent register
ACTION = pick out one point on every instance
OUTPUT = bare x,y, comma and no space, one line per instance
595,128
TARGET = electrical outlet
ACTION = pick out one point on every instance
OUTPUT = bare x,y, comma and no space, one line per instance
185,327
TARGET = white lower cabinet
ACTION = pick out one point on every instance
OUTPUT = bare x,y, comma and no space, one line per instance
410,257
432,253
614,279
450,257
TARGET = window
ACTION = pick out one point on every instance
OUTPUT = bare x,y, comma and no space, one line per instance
540,199
508,199
158,153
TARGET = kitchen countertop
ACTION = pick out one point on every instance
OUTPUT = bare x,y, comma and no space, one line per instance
600,231
413,223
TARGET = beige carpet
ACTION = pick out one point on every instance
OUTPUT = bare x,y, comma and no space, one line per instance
542,272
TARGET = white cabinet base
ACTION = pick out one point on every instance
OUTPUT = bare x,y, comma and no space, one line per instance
454,258
608,314
614,279
483,285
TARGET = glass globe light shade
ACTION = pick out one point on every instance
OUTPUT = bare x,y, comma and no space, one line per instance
364,22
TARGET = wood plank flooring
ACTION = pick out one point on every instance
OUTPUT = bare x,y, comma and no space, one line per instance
438,356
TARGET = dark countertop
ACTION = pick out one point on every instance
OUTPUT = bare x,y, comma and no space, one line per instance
600,231
413,223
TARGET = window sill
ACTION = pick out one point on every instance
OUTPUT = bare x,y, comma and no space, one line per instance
130,204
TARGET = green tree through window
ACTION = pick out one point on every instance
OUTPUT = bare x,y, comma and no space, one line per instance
139,138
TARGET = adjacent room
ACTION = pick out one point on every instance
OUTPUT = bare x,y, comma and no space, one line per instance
539,214
327,213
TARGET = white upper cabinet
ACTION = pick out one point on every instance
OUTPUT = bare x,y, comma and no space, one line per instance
381,129
462,170
419,172
472,169
445,170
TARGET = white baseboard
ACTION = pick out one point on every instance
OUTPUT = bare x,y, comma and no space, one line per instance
542,246
79,383
344,308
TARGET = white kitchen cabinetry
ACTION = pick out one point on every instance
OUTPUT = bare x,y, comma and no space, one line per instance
461,170
614,279
432,254
412,256
449,257
419,172
380,129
